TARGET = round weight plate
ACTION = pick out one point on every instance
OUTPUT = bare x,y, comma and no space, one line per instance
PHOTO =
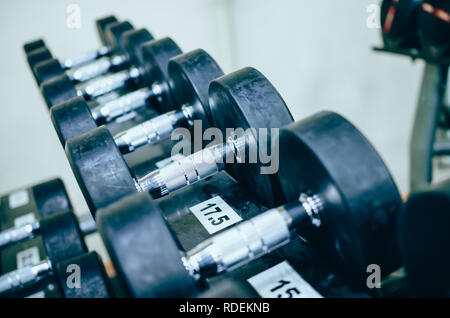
132,42
246,99
101,25
114,31
37,56
399,23
434,23
93,280
143,250
51,197
33,45
47,70
155,59
327,155
99,168
190,75
62,236
58,90
425,240
72,119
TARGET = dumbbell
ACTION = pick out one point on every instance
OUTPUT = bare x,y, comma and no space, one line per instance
28,231
425,240
434,22
243,99
37,51
185,88
94,282
62,238
341,199
151,67
46,198
128,46
399,23
101,28
41,53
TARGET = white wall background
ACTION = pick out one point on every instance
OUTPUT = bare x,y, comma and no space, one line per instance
317,53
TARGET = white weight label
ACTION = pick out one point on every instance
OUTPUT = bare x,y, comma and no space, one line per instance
215,214
282,281
39,294
162,163
28,257
18,199
24,219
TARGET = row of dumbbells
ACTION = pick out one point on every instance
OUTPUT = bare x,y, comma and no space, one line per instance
335,202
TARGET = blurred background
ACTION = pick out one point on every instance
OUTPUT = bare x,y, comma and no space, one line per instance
317,53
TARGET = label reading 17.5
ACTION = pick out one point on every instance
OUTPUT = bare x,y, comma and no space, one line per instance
215,214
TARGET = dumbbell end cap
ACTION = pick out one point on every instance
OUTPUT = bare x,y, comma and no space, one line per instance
33,45
58,90
47,70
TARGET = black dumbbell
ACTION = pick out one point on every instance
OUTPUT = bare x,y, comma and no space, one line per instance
101,28
62,239
243,99
425,240
151,67
44,199
28,231
126,50
38,52
400,23
342,200
185,88
93,280
434,22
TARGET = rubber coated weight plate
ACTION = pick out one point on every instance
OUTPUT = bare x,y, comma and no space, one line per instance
246,99
142,249
51,197
94,282
47,70
132,42
99,168
101,25
190,75
72,119
33,45
425,240
62,236
114,31
37,56
58,90
434,22
327,155
399,23
155,59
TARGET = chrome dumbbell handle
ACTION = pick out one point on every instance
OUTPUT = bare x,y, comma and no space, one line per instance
24,277
85,57
18,234
105,84
94,69
153,130
253,238
124,104
190,169
238,245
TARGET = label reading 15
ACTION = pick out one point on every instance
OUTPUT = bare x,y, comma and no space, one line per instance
215,214
282,281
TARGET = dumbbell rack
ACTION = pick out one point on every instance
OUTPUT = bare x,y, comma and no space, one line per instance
423,144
